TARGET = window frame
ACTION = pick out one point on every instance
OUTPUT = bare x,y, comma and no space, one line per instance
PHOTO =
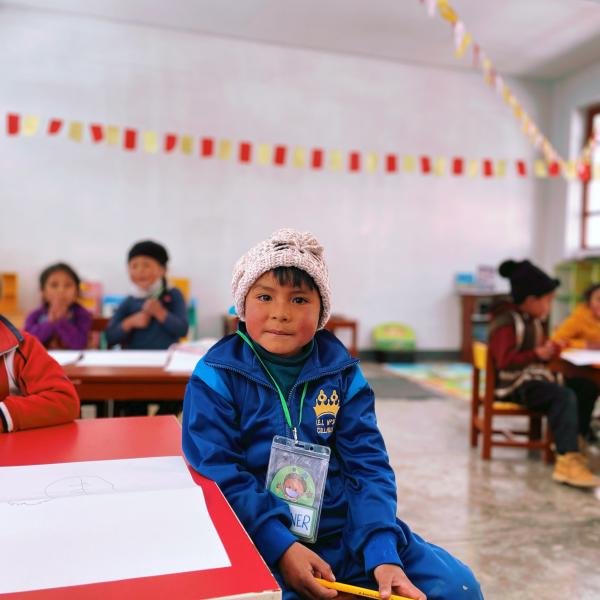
591,113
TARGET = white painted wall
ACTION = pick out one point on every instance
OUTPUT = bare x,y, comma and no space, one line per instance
561,232
393,242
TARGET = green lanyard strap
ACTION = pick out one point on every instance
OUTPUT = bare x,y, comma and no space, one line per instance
284,406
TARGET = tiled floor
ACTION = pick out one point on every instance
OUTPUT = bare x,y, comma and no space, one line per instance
524,536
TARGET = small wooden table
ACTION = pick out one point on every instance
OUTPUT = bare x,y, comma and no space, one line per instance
340,322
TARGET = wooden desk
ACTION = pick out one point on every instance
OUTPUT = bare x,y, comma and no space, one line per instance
570,370
127,383
135,437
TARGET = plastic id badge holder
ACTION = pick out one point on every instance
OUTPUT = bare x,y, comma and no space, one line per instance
297,473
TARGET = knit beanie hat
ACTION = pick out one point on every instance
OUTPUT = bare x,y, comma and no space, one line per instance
285,248
149,248
526,280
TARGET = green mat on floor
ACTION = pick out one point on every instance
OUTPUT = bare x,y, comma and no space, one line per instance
452,379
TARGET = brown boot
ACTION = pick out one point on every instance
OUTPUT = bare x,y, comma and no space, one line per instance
571,468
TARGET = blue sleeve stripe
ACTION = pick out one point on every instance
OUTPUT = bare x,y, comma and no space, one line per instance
358,383
212,378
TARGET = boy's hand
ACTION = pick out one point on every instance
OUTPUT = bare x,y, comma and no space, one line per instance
155,309
299,566
547,351
391,578
138,320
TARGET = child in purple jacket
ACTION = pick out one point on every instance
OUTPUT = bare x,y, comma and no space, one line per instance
60,323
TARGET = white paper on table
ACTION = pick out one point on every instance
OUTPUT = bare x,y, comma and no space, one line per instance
87,522
182,362
123,358
581,357
65,357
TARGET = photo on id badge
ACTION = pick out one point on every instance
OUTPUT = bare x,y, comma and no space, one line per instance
297,473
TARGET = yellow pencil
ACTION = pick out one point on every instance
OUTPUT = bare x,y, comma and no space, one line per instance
357,591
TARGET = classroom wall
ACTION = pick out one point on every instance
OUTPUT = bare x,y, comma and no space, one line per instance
393,242
561,234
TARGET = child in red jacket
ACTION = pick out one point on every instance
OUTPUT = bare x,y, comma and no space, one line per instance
34,390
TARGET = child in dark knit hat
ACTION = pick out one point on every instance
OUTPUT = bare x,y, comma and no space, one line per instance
283,375
521,353
151,318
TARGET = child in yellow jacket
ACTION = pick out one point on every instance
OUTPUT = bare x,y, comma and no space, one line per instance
581,329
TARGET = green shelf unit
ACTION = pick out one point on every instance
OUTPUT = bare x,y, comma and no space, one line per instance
575,277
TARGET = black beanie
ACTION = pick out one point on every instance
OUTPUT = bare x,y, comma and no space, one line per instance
149,248
526,280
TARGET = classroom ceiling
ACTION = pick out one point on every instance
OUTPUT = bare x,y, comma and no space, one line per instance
545,39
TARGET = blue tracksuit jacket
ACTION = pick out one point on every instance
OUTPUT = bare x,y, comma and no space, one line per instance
231,413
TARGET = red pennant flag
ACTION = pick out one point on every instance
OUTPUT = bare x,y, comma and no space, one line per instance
554,168
170,142
54,126
245,153
207,147
584,172
13,122
279,155
391,163
521,168
487,167
425,164
316,161
354,162
97,132
458,165
129,139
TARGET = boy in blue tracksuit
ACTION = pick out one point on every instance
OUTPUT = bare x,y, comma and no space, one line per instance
281,374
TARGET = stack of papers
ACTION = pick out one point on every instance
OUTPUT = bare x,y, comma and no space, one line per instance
582,357
65,357
123,358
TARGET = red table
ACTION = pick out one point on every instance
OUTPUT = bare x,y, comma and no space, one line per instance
137,437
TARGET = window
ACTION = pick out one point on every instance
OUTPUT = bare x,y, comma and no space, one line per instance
590,234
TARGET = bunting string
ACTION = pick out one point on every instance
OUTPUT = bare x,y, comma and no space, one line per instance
463,42
246,152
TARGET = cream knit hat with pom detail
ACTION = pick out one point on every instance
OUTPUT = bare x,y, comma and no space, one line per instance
285,248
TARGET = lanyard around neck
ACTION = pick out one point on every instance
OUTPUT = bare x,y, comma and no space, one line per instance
284,406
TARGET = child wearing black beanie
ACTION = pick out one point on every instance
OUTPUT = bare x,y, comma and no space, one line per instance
521,352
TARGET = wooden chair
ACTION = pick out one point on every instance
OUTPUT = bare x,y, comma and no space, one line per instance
485,409
99,324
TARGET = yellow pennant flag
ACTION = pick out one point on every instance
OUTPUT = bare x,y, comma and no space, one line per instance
335,160
371,162
517,110
464,45
409,164
263,154
224,149
187,144
500,168
299,158
76,131
446,11
439,166
472,167
569,169
113,135
150,142
30,125
539,168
